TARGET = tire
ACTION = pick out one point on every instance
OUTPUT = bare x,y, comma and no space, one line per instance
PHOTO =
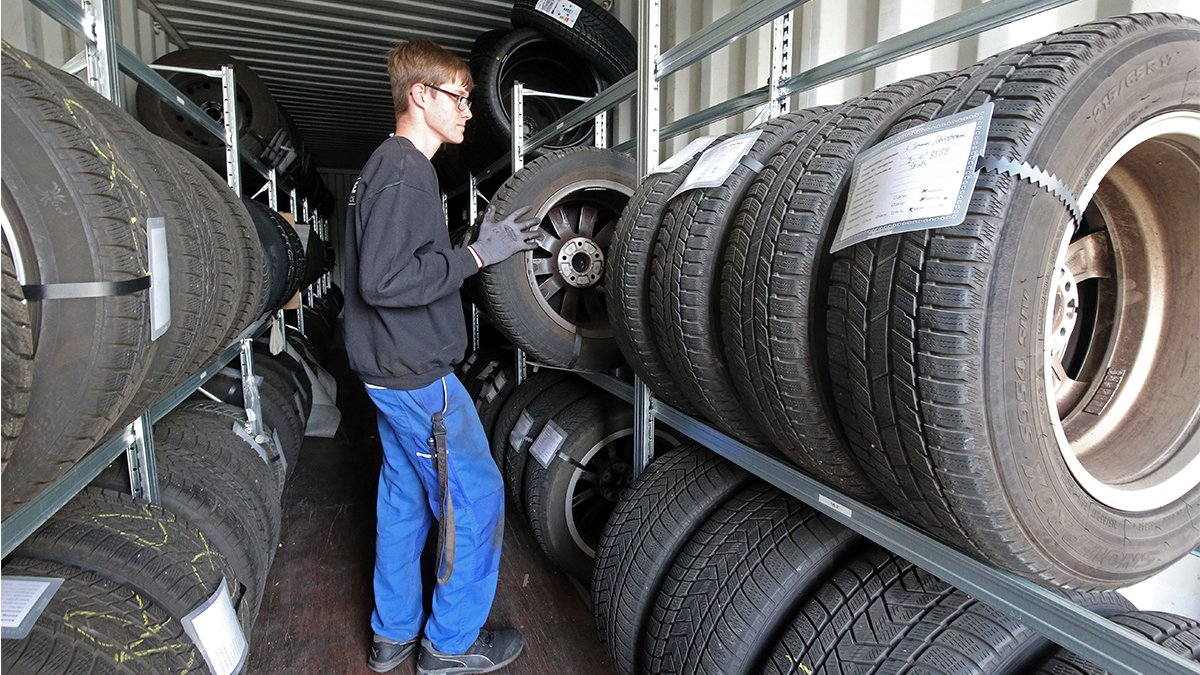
540,410
492,395
94,625
249,275
880,613
294,381
212,499
774,280
197,318
1180,634
532,58
17,367
596,36
578,194
195,425
98,348
650,525
627,286
980,448
685,285
225,416
258,114
522,396
569,501
142,546
283,252
738,581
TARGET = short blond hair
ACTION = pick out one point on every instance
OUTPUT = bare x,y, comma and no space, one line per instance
422,61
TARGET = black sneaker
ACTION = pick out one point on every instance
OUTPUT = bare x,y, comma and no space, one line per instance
492,650
387,654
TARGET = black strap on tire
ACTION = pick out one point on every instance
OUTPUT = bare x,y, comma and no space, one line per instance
85,289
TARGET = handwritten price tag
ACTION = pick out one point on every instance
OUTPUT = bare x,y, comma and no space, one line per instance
919,179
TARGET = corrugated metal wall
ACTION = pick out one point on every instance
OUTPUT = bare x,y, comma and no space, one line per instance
823,30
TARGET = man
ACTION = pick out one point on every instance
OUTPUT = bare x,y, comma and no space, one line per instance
404,333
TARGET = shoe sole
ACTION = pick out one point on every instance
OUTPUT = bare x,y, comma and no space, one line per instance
388,666
469,671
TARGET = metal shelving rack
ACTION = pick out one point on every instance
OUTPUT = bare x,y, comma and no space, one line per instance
104,57
1094,637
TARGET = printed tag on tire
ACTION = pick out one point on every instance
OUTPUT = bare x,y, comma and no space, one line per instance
24,598
214,628
719,161
563,11
683,156
520,431
546,445
919,179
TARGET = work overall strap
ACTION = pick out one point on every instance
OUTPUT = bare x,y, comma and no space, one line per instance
445,544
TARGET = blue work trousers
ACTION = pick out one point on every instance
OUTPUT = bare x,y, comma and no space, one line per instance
410,501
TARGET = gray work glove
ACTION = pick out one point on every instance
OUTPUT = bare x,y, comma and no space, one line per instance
500,238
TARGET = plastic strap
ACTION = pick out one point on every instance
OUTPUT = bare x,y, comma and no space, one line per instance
575,351
1043,179
85,289
751,163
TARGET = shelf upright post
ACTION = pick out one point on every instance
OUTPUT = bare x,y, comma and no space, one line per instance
472,215
102,66
273,202
139,456
781,63
648,130
306,299
233,166
518,162
254,425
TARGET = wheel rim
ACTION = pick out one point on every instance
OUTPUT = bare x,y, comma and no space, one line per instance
1121,311
566,270
205,92
538,65
597,483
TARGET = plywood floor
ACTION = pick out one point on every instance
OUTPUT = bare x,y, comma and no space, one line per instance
316,610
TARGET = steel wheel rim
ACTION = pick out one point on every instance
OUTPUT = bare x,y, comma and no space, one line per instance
583,215
1124,413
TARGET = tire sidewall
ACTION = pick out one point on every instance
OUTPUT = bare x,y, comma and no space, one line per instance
1040,488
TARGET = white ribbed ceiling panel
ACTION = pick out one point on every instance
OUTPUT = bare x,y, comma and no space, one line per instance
325,61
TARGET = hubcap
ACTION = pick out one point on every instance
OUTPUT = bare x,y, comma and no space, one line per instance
1121,314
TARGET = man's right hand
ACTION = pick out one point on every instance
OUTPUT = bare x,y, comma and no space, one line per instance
500,238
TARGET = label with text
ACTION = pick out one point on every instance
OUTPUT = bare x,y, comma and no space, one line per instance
563,11
718,162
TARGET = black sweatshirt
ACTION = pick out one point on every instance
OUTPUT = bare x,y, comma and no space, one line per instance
404,320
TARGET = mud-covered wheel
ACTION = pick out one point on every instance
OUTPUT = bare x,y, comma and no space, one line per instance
550,301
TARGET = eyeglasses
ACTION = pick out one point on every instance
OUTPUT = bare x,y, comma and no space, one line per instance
463,102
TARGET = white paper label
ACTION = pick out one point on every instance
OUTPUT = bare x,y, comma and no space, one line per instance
22,600
214,628
500,381
835,506
560,10
547,443
718,162
683,156
490,393
160,277
919,179
520,431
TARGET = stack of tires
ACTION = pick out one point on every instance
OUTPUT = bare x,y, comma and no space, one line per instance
548,50
264,127
1010,384
564,449
134,571
705,569
82,183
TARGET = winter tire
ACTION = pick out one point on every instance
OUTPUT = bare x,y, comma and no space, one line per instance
1021,399
650,525
596,35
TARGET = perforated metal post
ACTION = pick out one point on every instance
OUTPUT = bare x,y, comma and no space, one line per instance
781,63
254,425
233,166
518,126
649,46
101,50
472,215
601,133
139,456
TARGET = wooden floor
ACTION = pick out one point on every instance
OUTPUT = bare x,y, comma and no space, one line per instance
316,611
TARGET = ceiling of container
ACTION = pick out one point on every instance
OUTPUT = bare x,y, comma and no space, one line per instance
325,61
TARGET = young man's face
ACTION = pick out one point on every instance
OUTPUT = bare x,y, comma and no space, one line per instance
447,115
